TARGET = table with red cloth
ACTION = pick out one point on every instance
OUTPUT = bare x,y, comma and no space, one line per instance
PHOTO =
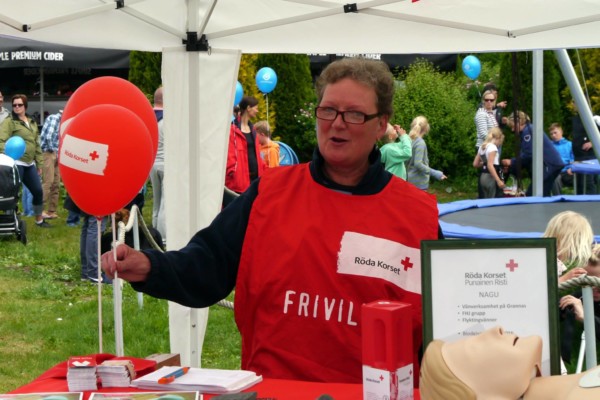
55,380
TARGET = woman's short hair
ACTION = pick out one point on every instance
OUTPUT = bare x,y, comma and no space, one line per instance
372,73
437,381
20,96
522,117
487,93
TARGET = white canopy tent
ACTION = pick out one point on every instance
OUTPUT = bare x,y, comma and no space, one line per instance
199,81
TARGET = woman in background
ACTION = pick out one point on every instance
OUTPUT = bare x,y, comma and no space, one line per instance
29,165
244,163
418,171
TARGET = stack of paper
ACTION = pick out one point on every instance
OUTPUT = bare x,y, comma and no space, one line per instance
200,379
81,374
116,373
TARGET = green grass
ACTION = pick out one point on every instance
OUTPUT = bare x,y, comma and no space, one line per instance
47,314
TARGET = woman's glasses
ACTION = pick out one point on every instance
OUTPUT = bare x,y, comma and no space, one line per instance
15,105
489,100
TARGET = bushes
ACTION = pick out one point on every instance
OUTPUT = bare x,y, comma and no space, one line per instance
424,90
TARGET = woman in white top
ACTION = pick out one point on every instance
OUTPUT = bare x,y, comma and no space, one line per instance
488,160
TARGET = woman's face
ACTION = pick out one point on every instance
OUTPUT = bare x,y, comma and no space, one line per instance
489,100
18,106
344,145
252,111
495,364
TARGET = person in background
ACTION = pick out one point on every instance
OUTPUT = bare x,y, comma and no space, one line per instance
158,170
418,171
342,211
574,239
74,213
244,163
396,150
565,149
20,124
552,163
583,151
88,247
572,307
26,201
487,159
269,150
3,111
485,117
499,106
50,172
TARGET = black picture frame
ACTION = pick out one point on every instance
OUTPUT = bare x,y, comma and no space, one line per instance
446,262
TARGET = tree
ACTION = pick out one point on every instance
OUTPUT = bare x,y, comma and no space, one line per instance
442,99
145,71
516,86
293,95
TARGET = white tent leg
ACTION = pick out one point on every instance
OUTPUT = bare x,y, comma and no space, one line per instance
538,123
199,89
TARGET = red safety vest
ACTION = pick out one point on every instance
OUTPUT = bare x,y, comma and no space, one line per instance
311,257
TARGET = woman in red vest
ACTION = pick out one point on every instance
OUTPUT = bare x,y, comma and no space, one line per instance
306,245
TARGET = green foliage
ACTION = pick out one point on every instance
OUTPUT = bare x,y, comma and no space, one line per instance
518,90
145,71
294,91
586,63
442,98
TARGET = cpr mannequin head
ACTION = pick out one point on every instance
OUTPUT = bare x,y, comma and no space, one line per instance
492,365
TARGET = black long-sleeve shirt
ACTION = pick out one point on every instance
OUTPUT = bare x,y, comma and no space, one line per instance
205,270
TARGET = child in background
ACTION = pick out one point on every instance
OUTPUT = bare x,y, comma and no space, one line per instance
574,239
395,153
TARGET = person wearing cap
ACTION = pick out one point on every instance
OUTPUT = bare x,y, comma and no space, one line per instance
50,172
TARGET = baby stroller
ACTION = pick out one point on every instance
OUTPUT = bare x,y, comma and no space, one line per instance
10,184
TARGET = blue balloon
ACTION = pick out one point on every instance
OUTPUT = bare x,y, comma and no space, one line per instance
471,67
266,79
239,93
15,147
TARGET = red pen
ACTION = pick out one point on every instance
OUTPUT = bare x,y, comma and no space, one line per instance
173,375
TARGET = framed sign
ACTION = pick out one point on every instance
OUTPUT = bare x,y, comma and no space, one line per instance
469,286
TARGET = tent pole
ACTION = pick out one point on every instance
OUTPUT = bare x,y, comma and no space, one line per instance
585,113
538,124
41,96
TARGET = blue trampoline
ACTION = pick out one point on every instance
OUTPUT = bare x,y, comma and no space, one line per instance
512,217
287,156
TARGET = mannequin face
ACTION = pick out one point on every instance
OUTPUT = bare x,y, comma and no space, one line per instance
495,364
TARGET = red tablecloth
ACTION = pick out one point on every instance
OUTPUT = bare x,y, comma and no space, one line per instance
55,380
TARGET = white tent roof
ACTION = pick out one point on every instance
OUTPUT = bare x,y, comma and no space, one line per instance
308,26
200,86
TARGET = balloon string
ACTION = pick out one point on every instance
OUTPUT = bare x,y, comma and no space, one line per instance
268,122
99,228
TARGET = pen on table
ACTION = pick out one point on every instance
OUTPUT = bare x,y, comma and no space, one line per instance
173,375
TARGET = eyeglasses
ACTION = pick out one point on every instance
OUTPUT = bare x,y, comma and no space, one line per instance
351,117
489,100
18,105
